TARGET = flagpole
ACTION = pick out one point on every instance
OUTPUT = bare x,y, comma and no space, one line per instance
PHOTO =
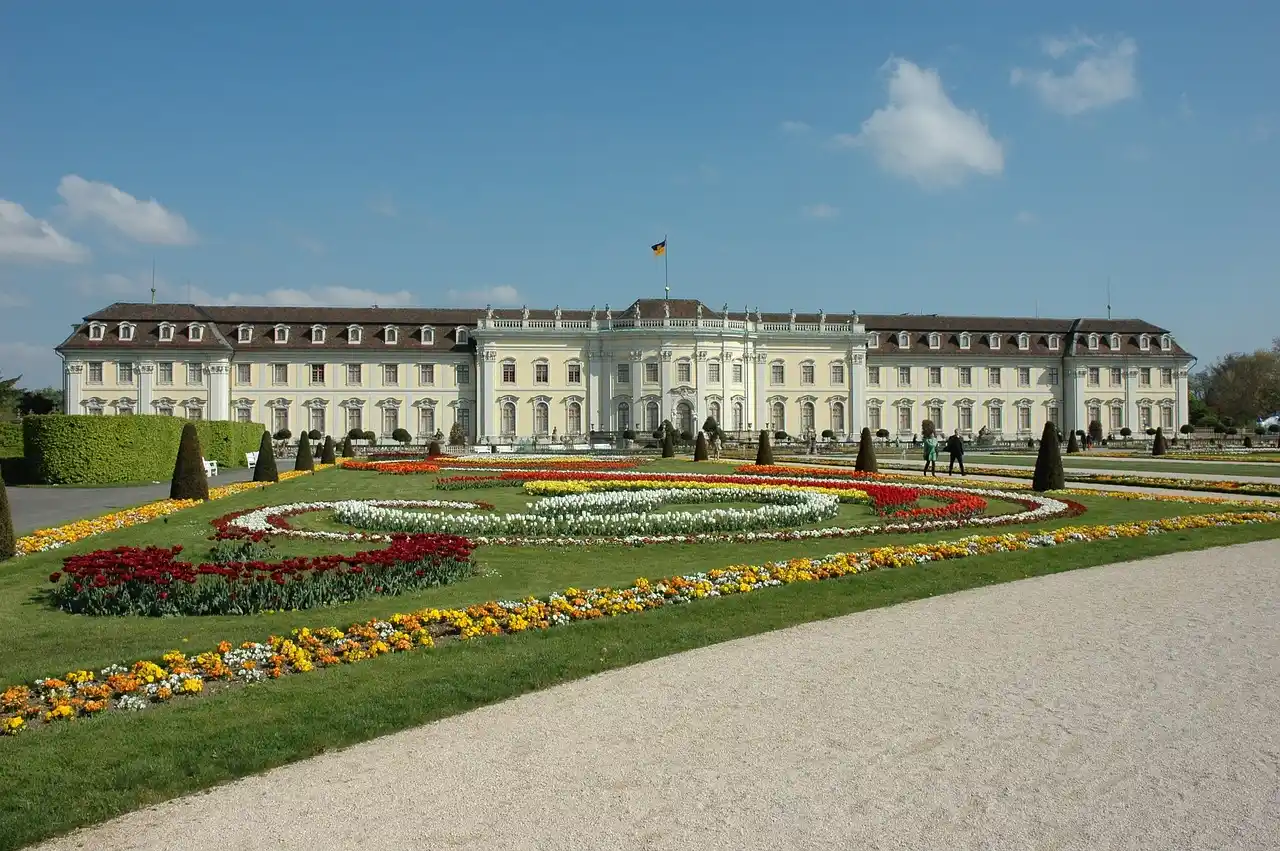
666,279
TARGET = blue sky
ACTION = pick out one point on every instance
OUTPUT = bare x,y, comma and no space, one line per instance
991,159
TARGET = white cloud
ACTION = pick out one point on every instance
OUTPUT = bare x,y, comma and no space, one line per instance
144,221
138,287
1026,217
1105,74
794,127
821,211
24,237
37,364
921,134
499,296
384,205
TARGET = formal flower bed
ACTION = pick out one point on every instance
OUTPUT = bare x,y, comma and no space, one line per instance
558,488
152,581
258,523
448,462
1129,480
60,536
135,687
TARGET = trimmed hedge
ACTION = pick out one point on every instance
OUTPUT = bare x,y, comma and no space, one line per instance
76,449
11,440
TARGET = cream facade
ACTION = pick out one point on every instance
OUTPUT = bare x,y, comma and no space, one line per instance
507,376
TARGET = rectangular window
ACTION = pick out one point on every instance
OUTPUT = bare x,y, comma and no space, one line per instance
904,419
279,373
935,414
1166,378
1024,419
355,420
1144,416
1024,376
390,375
993,376
904,376
1095,414
1051,376
164,373
427,374
624,373
873,419
1166,417
195,412
651,373
935,376
508,372
837,374
195,374
426,421
777,373
390,420
873,376
574,375
317,419
995,419
95,372
1117,376
1053,414
243,415
737,373
966,419
541,373
462,375
464,420
354,375
1144,377
279,419
713,372
966,376
683,372
317,373
244,373
124,373
806,373
1117,418
1093,376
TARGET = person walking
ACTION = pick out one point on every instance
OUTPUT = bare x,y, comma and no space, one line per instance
930,444
955,448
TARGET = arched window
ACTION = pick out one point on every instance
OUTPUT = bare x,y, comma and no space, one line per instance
965,341
509,418
713,411
779,413
684,418
837,417
575,418
806,417
624,416
317,334
651,417
541,416
737,416
461,336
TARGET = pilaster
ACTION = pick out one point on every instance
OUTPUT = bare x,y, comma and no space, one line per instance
666,407
72,387
761,383
855,402
146,381
1079,414
489,425
1131,398
700,404
1182,401
220,390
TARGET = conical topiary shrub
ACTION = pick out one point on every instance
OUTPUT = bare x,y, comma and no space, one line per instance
304,461
266,470
866,462
327,455
346,447
700,448
1073,445
433,449
8,549
1049,475
189,480
1160,446
764,449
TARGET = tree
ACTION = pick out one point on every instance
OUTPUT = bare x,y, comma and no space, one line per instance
1240,387
1049,475
47,400
304,461
1159,446
700,448
1095,431
764,451
1187,428
265,470
9,396
347,451
1073,446
189,480
327,455
402,436
866,462
456,435
8,546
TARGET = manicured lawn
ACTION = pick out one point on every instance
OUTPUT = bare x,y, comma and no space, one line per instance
87,770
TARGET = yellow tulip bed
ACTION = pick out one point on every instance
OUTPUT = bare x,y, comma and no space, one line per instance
60,536
560,488
146,682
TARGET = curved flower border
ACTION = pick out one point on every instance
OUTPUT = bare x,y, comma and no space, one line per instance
133,688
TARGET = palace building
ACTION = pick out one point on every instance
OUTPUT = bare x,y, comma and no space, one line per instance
507,375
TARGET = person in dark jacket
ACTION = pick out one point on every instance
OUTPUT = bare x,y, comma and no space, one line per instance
955,448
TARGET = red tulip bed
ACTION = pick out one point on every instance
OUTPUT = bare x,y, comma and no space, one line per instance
435,465
153,581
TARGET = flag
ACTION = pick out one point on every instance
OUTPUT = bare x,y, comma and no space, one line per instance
659,249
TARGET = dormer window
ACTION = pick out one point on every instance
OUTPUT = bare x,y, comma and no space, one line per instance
280,334
1054,342
195,332
965,341
1093,342
391,335
354,333
1144,343
873,340
126,332
1024,342
1115,342
244,333
97,330
428,335
994,340
1166,343
903,339
461,336
317,334
935,340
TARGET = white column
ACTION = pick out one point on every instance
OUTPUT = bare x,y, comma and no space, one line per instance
761,382
220,390
485,403
72,384
591,379
146,381
665,408
1079,419
1130,399
1181,401
856,402
700,404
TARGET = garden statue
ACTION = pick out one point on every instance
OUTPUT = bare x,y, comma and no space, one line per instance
608,312
524,313
488,312
557,313
666,310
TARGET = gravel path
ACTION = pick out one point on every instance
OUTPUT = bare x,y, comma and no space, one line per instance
1135,706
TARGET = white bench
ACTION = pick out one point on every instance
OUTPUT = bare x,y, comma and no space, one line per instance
210,467
506,450
251,460
480,449
594,446
556,447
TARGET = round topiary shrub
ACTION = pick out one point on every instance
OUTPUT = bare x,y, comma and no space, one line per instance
779,435
1219,428
828,434
1125,432
355,434
687,436
628,435
401,435
283,434
1151,432
315,434
1232,431
882,433
1188,428
369,436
